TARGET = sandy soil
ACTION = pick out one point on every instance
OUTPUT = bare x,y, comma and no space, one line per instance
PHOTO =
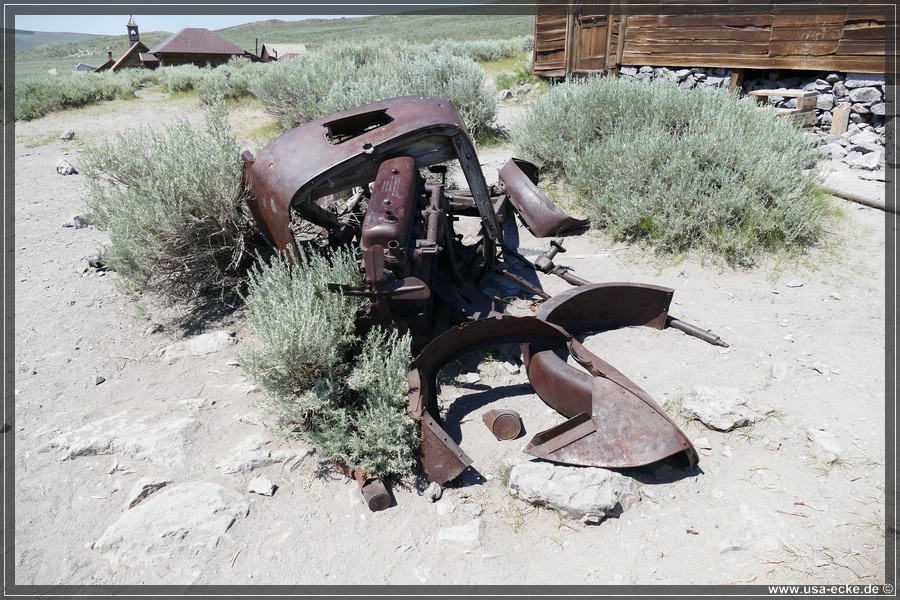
806,348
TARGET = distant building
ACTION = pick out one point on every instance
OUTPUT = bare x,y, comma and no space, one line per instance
132,56
281,51
83,67
195,46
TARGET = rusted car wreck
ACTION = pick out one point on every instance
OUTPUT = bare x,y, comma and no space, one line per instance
419,276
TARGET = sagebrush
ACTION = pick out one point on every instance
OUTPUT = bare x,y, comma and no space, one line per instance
682,169
171,201
347,75
39,95
345,390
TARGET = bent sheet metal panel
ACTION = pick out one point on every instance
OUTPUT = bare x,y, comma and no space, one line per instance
346,149
543,218
627,427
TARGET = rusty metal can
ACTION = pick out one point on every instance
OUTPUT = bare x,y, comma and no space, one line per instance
504,424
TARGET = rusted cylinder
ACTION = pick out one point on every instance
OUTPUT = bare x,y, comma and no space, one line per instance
373,490
504,424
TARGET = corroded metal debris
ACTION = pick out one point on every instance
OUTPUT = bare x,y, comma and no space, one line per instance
374,178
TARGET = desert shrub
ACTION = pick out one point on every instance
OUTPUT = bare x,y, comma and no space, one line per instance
346,75
182,78
170,201
37,96
681,169
482,50
521,73
231,80
349,394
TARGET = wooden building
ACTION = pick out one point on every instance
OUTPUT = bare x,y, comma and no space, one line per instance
279,51
195,46
577,39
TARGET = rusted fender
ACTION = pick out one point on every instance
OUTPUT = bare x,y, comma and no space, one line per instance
443,459
541,216
344,150
613,422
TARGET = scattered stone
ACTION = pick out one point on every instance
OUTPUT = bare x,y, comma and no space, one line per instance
465,538
717,494
433,492
588,494
756,531
794,283
473,509
67,135
720,408
142,488
823,445
702,444
78,222
525,88
630,71
504,94
261,486
789,337
870,161
445,508
206,343
251,454
727,452
511,367
773,445
194,403
185,519
877,109
155,328
162,443
858,80
95,261
834,296
99,379
64,168
825,101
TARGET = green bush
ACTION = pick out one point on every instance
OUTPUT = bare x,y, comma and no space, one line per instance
482,50
349,394
346,75
37,96
681,169
171,203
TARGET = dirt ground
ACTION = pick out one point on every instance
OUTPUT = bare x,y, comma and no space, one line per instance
765,506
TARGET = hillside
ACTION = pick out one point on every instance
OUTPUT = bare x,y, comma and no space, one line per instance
32,40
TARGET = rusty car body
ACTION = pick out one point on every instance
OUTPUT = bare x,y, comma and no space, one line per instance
420,277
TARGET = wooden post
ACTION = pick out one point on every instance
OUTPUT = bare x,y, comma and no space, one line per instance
737,78
840,119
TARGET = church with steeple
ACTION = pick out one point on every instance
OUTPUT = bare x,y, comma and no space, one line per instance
137,54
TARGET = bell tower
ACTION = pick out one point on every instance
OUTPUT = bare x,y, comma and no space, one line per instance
133,36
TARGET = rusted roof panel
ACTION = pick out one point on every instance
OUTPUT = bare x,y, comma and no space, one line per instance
193,40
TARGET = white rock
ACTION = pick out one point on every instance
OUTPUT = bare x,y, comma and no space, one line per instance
445,508
823,445
64,168
261,486
67,135
206,343
871,161
720,408
779,371
142,488
464,538
185,519
589,494
249,455
794,283
433,491
702,444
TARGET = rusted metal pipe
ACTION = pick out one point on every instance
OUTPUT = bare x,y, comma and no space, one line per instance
871,202
372,488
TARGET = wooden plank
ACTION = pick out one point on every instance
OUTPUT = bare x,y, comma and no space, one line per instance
803,48
711,48
840,119
737,78
701,34
734,20
839,64
817,33
856,48
805,99
621,42
801,117
809,16
855,32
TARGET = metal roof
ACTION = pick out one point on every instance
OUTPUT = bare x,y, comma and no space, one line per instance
194,40
283,50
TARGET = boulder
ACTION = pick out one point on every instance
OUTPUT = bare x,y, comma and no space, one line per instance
585,493
720,408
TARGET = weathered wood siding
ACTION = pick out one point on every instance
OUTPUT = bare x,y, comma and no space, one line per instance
836,38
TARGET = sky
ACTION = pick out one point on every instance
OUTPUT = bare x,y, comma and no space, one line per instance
115,24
